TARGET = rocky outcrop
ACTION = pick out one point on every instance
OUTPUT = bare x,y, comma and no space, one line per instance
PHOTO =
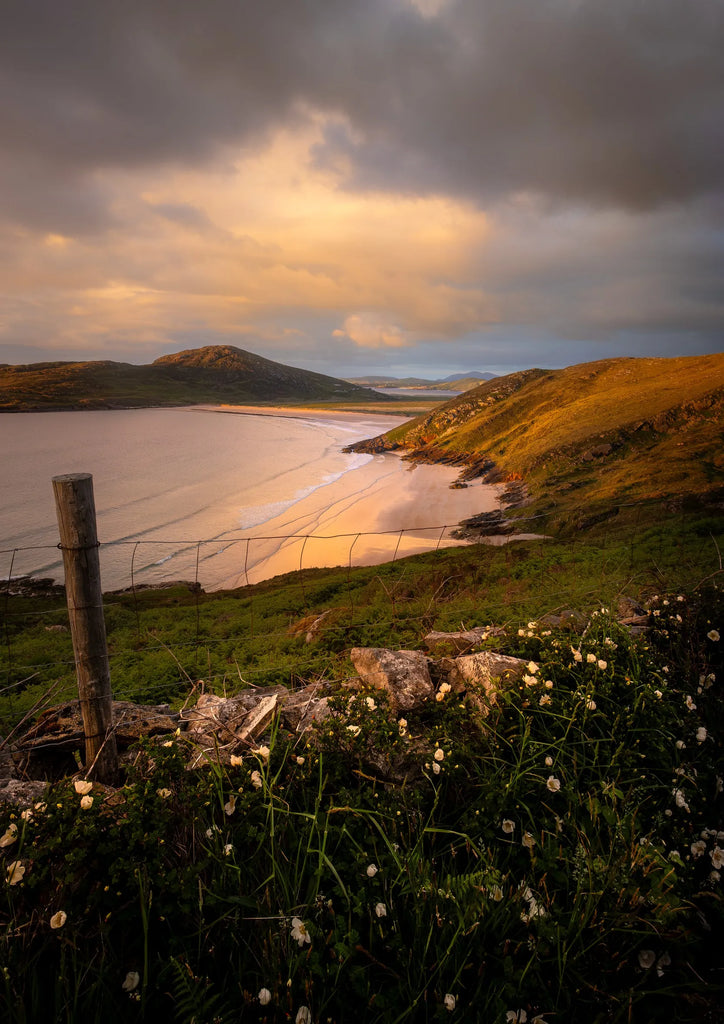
404,675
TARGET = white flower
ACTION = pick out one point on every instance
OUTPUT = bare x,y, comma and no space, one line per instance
381,910
680,799
300,761
449,1001
508,826
548,684
553,784
58,920
591,705
713,634
680,745
591,659
658,693
354,729
602,664
164,793
262,752
15,871
690,703
497,893
230,806
264,996
549,761
663,961
545,699
717,857
700,734
228,849
372,870
439,754
647,958
530,680
10,836
528,840
516,1017
436,768
82,786
86,802
698,848
370,702
532,667
131,981
256,779
577,656
299,931
26,815
304,1015
41,806
237,762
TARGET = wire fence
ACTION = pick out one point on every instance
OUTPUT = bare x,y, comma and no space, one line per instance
248,635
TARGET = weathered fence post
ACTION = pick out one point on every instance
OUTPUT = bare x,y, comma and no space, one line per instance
76,512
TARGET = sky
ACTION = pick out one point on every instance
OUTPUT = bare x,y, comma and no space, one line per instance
362,186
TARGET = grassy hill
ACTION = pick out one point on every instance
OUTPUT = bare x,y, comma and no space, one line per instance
217,374
607,432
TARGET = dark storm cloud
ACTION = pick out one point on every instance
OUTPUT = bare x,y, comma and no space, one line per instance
617,102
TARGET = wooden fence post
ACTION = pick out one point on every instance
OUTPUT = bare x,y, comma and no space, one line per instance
76,513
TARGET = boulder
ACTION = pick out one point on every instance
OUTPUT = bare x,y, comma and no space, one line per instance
404,675
485,674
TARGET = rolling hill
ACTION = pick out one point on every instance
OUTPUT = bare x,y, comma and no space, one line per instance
219,374
611,433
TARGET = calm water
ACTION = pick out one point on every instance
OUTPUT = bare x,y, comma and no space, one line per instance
164,479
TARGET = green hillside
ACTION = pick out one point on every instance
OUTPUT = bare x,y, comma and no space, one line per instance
608,432
216,373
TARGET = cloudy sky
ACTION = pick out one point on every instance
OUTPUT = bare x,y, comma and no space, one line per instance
408,186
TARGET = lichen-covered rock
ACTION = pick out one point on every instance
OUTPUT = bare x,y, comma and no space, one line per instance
404,675
484,675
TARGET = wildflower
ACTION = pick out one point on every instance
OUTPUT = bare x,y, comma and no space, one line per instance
402,726
264,996
228,849
299,931
528,840
41,807
380,910
591,659
680,745
602,664
443,689
548,684
304,1015
262,752
439,754
26,815
521,632
15,872
658,693
131,981
236,761
549,761
680,799
591,705
532,667
530,680
256,779
577,656
436,767
86,802
230,806
701,734
82,787
167,743
372,870
508,826
533,624
516,1017
354,729
690,703
58,920
553,784
300,761
370,702
713,634
164,793
10,836
545,699
717,857
497,893
449,1001
663,961
647,958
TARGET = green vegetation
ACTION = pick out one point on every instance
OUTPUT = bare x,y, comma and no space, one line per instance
561,857
600,434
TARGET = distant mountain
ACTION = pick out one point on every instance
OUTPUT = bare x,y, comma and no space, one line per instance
455,382
609,433
218,374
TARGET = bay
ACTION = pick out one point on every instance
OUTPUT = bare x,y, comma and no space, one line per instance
180,493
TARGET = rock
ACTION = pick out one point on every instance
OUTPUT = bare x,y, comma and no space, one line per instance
598,451
484,671
61,728
21,792
405,675
464,639
566,619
